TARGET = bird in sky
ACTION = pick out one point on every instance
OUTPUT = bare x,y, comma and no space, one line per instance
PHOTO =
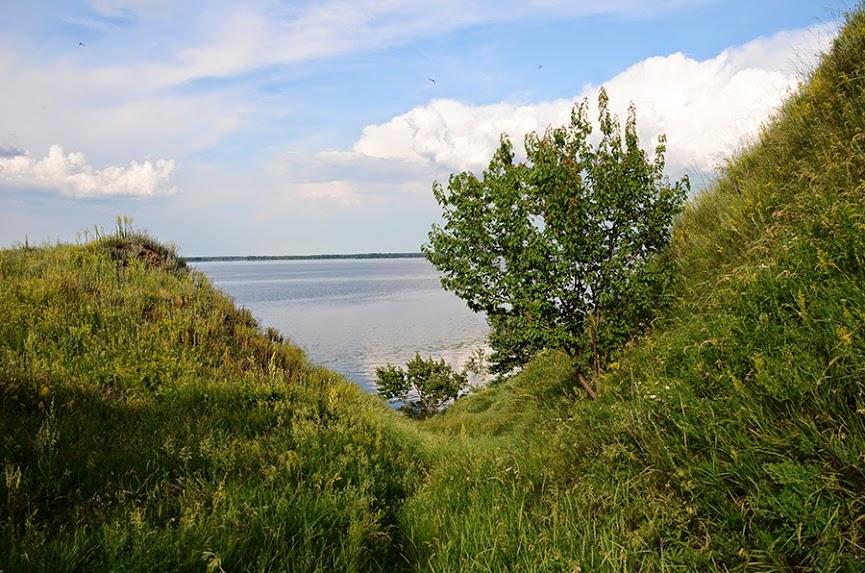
432,80
80,44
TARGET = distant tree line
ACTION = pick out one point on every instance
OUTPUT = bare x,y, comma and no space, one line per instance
303,257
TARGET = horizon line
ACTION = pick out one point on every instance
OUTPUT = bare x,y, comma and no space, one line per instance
236,258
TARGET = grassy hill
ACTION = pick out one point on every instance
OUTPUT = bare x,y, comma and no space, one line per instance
147,424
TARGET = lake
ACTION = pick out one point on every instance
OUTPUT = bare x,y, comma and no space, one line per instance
353,315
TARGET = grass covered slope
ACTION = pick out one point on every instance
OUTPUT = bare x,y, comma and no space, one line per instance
732,438
148,425
765,358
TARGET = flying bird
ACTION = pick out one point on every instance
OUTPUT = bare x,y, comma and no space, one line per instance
432,80
80,44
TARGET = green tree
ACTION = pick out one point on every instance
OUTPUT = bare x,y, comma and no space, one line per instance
562,250
423,387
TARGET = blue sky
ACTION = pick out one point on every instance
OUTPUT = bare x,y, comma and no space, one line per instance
272,127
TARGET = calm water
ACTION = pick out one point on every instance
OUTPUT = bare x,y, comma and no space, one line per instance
353,315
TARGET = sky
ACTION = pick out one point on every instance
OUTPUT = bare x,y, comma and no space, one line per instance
269,127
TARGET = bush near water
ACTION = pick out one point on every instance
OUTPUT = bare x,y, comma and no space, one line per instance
149,425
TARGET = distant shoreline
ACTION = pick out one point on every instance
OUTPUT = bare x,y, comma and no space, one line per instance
302,257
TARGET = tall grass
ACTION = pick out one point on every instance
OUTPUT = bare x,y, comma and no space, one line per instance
149,425
731,437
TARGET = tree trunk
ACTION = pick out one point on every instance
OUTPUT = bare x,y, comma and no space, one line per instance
593,325
587,386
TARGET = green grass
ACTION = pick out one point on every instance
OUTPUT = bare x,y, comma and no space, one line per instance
731,437
148,425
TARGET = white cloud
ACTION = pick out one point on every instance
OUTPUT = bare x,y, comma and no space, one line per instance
708,108
351,179
238,37
455,134
118,8
343,193
72,175
355,192
113,113
127,96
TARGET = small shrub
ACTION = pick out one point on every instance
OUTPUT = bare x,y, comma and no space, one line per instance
423,387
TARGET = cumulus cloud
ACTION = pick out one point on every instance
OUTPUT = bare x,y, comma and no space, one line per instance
115,100
455,134
71,174
707,108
